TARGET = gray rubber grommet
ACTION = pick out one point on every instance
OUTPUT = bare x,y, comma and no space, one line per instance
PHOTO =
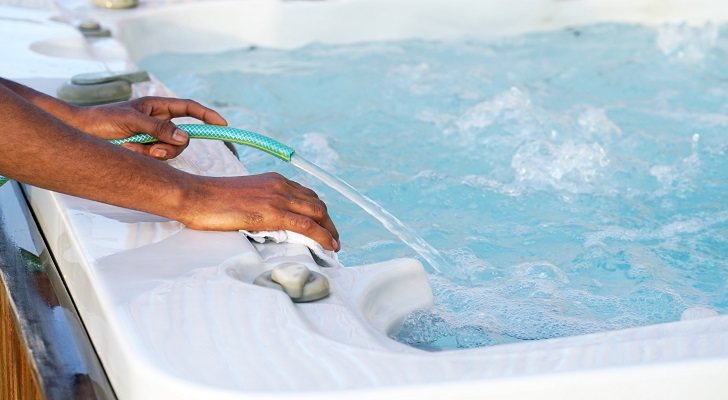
88,95
94,78
101,33
316,287
89,26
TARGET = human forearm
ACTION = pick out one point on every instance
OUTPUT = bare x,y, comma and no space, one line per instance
41,150
150,115
60,109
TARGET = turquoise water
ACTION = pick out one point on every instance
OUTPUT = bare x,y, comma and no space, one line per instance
576,180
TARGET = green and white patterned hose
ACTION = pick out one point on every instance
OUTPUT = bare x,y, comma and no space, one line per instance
224,133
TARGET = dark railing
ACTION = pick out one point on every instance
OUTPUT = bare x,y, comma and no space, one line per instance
45,352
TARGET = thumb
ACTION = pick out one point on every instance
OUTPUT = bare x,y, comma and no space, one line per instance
164,131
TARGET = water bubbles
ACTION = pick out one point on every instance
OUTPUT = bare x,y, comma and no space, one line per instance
572,192
525,302
570,166
468,266
652,305
468,337
638,274
478,181
426,328
423,327
686,43
678,177
697,312
513,103
594,121
541,270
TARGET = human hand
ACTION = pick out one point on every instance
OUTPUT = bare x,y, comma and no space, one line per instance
257,202
150,115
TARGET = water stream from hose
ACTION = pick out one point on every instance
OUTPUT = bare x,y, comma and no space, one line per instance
389,221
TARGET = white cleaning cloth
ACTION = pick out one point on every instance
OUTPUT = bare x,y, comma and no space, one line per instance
323,257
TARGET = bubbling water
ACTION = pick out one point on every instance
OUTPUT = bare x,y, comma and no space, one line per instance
574,180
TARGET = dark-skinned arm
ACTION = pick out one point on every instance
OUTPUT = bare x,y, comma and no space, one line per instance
41,150
149,115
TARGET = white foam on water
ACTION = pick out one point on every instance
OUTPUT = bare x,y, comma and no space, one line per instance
667,231
594,121
512,104
478,181
527,308
686,43
698,313
571,192
679,177
568,166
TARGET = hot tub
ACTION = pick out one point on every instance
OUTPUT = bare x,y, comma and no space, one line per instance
172,313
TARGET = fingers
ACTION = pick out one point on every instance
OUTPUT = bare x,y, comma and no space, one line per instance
156,113
303,189
165,131
172,140
318,208
167,108
297,199
160,151
308,227
315,210
276,203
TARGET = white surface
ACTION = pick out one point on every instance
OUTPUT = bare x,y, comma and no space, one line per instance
170,310
218,26
19,29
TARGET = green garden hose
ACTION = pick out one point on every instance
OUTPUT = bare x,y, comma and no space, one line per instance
216,132
225,134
